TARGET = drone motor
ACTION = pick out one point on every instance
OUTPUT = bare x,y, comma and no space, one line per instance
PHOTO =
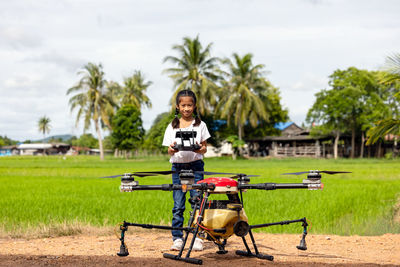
313,180
127,183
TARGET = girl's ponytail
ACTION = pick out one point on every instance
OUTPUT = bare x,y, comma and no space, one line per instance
197,119
175,121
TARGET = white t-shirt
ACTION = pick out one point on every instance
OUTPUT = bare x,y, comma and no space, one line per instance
186,156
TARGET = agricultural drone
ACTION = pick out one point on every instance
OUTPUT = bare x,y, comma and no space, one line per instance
217,220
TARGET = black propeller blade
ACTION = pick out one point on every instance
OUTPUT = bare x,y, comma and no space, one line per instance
138,174
235,175
155,173
316,171
113,176
243,175
215,173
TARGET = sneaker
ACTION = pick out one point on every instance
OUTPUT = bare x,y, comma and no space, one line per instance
177,245
198,244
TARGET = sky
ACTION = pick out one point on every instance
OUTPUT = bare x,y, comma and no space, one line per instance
45,43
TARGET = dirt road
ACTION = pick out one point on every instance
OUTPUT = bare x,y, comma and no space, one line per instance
146,249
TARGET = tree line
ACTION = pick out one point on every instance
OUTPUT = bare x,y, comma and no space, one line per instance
234,90
364,104
236,100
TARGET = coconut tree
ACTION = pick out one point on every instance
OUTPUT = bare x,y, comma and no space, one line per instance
240,101
133,91
389,76
195,70
44,125
91,99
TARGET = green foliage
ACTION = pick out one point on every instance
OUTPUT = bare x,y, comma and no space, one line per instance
133,91
5,141
107,142
195,70
44,125
390,77
42,191
240,95
154,137
350,106
391,70
271,98
127,128
91,98
383,128
86,140
235,141
94,98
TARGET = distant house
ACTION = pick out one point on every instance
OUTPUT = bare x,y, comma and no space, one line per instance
8,150
43,149
294,141
224,150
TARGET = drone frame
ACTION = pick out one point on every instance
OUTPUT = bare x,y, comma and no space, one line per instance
241,228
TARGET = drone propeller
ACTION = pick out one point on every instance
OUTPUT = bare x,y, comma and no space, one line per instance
235,175
138,174
155,173
316,172
243,175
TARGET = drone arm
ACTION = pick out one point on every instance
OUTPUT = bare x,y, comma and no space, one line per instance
169,187
274,186
278,223
151,226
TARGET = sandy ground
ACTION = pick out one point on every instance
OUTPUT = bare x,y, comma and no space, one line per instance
146,249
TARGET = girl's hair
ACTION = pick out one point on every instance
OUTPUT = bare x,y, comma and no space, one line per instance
197,120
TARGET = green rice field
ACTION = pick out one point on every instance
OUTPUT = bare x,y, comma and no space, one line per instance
55,191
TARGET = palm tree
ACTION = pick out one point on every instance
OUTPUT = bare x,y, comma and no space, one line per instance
241,100
390,76
93,101
134,89
44,125
195,70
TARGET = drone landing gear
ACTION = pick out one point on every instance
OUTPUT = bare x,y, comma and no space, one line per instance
303,245
189,230
123,249
248,253
221,247
188,259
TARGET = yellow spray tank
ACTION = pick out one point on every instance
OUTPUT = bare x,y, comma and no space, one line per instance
223,218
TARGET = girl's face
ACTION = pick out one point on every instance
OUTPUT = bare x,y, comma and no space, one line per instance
186,106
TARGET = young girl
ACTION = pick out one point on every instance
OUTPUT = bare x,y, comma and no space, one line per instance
189,120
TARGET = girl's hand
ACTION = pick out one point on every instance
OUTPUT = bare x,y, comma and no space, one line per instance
172,151
203,148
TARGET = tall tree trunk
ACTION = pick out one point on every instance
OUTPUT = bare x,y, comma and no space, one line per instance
240,130
335,145
96,123
362,145
379,150
353,142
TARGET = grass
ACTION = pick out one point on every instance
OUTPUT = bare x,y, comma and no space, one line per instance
62,196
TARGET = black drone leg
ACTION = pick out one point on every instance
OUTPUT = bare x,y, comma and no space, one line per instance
187,258
248,253
123,250
303,245
221,247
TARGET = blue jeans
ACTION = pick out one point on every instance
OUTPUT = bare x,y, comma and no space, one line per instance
179,196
